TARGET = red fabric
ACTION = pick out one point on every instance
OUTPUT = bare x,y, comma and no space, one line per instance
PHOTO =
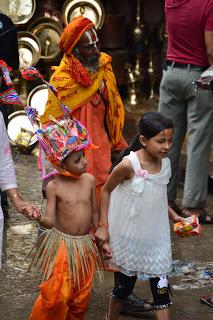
4,64
78,73
73,32
92,115
186,23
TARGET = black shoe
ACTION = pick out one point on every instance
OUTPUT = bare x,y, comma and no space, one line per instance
135,304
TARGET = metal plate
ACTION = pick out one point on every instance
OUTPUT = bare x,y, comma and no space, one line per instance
20,11
17,121
29,49
37,98
91,9
48,32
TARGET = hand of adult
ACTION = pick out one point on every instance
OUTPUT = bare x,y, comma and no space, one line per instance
29,210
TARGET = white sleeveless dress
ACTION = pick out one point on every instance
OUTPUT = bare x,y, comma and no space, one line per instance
139,223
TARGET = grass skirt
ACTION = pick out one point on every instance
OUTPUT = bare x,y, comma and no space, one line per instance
81,251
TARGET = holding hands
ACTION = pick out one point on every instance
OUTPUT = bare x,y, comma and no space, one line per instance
102,239
29,210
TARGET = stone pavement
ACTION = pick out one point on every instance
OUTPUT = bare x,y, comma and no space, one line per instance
18,289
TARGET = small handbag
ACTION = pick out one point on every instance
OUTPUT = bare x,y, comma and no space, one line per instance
205,81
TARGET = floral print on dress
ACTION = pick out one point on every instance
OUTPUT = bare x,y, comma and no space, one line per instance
142,173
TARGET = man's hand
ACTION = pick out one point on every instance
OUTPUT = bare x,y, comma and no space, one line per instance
29,210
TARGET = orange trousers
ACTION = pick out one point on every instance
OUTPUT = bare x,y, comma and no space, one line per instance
60,298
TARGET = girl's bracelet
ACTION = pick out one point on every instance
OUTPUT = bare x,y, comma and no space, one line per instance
103,224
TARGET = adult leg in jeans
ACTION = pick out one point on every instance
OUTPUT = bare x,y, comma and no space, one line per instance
200,119
173,105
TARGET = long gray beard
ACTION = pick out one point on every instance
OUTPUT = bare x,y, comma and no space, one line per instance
91,66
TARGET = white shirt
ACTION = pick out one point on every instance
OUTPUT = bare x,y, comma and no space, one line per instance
7,171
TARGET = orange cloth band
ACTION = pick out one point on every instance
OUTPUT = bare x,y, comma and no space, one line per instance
73,32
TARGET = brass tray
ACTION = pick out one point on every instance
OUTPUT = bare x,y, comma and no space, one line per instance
18,121
91,9
20,11
37,98
48,32
29,49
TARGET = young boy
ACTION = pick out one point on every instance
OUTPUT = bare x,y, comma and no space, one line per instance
66,253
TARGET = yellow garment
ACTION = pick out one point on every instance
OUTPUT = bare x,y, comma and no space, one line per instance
74,94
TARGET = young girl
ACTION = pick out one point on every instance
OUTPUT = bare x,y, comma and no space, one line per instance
134,203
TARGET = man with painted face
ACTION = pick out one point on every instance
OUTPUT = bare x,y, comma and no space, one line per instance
86,83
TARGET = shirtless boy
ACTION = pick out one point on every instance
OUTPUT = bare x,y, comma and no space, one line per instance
66,253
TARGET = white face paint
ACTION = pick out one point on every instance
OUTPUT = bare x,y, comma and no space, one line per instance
88,34
88,51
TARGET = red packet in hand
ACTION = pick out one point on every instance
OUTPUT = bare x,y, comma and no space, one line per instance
190,228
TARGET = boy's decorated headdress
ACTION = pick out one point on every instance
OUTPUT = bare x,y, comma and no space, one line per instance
59,137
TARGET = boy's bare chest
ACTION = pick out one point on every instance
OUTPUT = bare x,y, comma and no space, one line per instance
74,192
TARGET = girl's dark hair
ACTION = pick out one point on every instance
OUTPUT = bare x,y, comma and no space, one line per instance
149,126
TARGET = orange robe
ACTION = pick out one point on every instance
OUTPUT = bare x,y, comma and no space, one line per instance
97,106
65,294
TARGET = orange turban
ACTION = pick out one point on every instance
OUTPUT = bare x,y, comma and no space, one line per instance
73,32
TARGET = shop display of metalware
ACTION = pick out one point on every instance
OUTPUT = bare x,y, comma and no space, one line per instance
119,58
135,70
29,49
139,40
48,32
20,11
134,97
92,9
20,130
112,36
37,98
49,9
